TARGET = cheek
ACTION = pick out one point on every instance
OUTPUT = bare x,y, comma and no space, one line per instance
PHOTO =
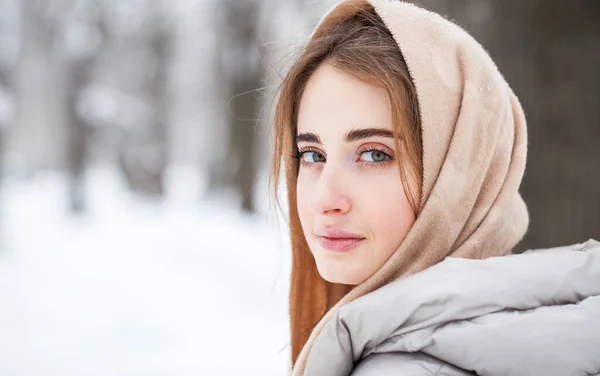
387,211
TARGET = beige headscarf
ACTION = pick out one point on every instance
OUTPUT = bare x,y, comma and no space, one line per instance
474,148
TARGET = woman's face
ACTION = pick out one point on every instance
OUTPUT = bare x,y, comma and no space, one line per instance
351,202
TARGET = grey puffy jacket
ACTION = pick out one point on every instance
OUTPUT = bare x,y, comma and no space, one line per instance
536,313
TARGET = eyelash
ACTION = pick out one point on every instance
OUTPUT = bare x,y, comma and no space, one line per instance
359,152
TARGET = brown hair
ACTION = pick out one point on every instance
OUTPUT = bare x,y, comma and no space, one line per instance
360,45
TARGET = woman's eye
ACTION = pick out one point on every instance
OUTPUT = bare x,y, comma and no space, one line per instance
374,156
313,157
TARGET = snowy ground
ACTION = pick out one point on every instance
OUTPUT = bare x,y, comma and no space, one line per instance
134,288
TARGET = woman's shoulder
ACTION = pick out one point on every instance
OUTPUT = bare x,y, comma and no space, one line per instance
527,307
406,364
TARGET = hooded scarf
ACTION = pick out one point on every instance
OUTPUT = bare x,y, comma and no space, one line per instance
474,149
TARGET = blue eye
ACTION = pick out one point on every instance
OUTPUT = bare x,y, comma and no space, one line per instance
374,156
312,157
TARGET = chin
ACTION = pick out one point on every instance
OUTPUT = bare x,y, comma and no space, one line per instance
340,272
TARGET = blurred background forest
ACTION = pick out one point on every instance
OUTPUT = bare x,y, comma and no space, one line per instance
134,145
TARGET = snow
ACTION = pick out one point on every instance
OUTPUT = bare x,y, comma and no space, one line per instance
137,288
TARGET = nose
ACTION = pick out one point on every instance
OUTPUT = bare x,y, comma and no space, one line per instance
329,197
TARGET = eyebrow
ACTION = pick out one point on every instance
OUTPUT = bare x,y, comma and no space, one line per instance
352,136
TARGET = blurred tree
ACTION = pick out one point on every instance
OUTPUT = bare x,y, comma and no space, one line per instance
242,73
31,143
143,155
562,186
80,34
8,55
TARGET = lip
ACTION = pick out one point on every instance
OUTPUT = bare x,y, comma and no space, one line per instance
339,240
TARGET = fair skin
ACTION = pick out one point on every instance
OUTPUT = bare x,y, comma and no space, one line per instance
351,202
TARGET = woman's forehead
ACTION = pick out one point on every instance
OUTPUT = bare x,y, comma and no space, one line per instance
336,102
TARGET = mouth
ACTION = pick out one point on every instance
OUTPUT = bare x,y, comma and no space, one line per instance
340,241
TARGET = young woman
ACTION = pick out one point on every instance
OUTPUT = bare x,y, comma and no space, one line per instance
403,149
